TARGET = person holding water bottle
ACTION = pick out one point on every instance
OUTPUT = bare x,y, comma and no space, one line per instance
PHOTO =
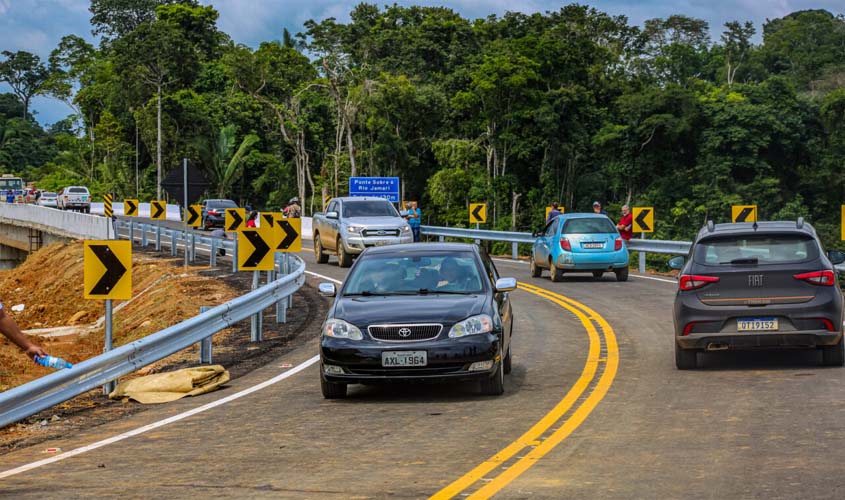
12,331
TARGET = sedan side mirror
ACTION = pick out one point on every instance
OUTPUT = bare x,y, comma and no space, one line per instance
331,215
327,289
836,256
677,263
505,284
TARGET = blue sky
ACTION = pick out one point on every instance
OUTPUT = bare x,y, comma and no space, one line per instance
38,25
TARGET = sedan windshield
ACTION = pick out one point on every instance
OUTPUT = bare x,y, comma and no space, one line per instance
589,225
454,272
375,208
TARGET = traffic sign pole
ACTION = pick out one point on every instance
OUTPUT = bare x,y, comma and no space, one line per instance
255,319
642,257
108,387
235,255
185,205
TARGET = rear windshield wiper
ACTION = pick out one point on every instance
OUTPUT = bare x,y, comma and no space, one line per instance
743,260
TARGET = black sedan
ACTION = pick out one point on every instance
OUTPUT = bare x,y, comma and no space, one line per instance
418,312
214,212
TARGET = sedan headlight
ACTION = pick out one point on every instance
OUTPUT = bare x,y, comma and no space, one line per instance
340,329
406,229
472,326
354,229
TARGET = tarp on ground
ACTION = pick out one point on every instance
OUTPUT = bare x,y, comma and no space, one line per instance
170,386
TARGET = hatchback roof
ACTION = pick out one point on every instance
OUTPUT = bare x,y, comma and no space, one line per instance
580,215
761,227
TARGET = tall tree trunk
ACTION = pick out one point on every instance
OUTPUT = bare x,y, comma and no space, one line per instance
353,170
514,209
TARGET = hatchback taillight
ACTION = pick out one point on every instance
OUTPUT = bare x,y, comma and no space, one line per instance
821,278
617,245
693,281
212,212
565,245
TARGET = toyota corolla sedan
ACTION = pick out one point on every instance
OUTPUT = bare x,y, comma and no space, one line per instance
418,312
579,243
757,286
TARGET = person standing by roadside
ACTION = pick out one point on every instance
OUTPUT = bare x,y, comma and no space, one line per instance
12,331
250,221
414,218
554,212
625,223
597,209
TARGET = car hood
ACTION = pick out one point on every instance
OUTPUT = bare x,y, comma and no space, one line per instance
386,222
443,309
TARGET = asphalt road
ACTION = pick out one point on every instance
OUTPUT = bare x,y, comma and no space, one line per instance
746,425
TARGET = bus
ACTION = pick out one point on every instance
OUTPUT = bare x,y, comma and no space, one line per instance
13,183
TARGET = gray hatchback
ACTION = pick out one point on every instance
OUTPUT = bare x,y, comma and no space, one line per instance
757,285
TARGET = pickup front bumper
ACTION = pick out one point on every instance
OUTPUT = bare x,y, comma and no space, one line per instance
355,244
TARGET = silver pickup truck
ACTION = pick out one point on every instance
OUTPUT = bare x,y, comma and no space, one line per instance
351,224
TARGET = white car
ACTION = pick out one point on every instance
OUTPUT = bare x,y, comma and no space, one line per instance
48,199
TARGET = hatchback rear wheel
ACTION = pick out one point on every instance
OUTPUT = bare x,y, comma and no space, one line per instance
834,355
621,274
685,359
555,274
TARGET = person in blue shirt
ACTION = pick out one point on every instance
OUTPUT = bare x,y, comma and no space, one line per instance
414,220
554,212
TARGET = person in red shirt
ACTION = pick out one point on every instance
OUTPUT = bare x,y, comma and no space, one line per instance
625,223
250,222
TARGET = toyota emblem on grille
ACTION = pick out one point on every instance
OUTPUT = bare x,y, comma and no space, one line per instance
404,332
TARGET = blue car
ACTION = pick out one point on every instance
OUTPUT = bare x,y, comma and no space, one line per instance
579,243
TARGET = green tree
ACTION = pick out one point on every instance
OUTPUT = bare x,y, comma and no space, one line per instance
25,74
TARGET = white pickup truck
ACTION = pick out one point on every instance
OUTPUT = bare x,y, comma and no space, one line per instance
351,224
74,198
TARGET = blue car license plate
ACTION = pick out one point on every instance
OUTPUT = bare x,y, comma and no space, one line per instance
592,245
757,324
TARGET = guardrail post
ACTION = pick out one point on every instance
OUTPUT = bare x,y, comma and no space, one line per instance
441,238
205,344
212,259
132,231
255,333
144,235
642,257
173,243
286,260
158,238
514,250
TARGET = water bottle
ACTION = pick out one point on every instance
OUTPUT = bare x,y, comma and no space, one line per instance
52,362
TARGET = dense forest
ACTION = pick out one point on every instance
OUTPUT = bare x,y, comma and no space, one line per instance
518,111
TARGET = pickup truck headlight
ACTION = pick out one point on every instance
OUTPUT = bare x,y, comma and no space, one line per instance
354,229
406,229
472,326
340,329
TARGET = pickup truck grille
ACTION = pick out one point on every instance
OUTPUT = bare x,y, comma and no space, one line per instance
405,333
380,232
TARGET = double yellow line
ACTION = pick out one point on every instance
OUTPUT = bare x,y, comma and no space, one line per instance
531,439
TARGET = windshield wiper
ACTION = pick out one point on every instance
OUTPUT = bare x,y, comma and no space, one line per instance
425,291
743,260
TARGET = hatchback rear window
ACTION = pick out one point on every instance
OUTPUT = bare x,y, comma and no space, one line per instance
756,249
590,225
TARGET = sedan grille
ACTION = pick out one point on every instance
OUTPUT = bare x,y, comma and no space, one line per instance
380,232
405,333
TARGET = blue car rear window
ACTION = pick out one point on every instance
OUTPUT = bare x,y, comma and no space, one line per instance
589,225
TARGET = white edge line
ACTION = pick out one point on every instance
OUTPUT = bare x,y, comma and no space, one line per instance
324,277
161,423
653,278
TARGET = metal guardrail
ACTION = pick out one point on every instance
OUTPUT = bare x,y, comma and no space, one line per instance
45,392
634,245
